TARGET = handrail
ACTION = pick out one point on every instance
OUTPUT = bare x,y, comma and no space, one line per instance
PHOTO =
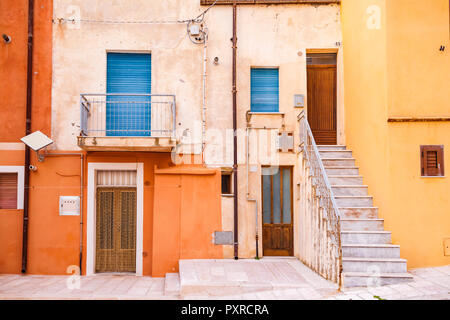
127,115
328,253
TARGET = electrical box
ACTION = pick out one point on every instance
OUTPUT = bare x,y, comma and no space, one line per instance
299,100
69,206
223,238
447,247
194,30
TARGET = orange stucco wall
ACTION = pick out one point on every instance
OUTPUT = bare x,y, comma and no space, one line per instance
13,68
187,213
13,92
149,160
169,233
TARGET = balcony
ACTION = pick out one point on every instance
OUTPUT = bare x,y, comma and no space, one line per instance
127,122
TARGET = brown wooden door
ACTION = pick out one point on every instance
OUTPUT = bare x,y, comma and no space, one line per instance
277,207
322,103
116,230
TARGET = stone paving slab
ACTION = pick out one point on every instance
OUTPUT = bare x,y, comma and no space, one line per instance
257,280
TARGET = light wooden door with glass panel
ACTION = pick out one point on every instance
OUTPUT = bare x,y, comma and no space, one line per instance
116,230
277,207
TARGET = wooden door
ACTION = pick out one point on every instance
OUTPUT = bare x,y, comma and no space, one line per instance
277,207
116,230
322,103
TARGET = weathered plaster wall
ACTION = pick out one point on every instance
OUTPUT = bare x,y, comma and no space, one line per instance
268,36
80,57
276,36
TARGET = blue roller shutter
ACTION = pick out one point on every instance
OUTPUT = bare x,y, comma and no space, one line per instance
128,115
264,90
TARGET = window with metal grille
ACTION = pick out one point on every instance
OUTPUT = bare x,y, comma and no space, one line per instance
8,190
432,161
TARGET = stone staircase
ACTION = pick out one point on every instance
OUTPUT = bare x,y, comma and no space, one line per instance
368,256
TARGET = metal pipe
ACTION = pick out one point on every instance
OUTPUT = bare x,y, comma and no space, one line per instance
205,60
235,165
81,155
27,132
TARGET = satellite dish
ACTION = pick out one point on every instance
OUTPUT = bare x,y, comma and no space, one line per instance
37,141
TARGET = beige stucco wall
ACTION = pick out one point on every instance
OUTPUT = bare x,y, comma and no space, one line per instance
268,36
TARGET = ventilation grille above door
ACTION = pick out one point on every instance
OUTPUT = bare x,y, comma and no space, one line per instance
123,178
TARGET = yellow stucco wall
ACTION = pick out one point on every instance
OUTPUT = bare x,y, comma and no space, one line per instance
393,68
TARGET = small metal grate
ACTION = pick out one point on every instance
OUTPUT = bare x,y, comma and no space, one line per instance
116,230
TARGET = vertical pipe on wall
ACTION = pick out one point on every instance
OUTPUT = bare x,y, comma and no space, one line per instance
27,132
235,166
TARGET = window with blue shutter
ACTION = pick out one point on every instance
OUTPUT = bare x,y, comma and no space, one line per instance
126,115
264,90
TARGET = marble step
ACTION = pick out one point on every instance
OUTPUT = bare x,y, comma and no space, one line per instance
354,201
172,284
362,224
331,147
338,162
371,250
359,213
342,170
366,279
345,180
327,154
366,237
346,190
374,265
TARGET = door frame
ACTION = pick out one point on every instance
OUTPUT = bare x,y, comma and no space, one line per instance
292,168
91,211
340,106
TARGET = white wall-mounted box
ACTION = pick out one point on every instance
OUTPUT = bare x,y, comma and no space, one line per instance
69,206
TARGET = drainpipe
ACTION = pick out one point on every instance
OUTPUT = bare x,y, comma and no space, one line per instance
205,61
235,165
27,132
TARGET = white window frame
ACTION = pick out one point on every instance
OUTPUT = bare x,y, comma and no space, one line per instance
20,170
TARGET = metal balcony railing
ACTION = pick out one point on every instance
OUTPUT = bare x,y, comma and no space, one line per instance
128,115
321,247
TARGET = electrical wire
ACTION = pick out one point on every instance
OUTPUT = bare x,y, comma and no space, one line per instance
199,19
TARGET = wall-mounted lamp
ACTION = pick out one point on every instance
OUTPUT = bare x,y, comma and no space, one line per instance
216,61
442,48
6,38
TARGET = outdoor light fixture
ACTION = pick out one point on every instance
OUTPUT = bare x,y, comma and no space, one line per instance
6,38
37,141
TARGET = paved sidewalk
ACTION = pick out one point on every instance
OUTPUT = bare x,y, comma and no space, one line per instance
429,283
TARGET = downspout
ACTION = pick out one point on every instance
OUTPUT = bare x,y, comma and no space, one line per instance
205,61
27,132
235,166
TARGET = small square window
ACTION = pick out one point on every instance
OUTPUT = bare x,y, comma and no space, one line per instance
432,161
226,183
